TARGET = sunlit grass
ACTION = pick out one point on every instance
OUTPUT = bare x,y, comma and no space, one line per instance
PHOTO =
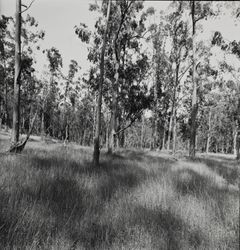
52,198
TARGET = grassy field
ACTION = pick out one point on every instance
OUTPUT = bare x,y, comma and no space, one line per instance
52,198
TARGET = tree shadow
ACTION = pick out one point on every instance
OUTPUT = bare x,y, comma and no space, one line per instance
189,182
67,201
165,227
227,168
143,157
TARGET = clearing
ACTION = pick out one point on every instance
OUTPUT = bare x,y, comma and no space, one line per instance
52,198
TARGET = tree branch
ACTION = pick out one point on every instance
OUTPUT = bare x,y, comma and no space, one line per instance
183,73
130,124
27,7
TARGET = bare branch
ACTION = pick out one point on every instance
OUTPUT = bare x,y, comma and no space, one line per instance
183,73
130,124
27,7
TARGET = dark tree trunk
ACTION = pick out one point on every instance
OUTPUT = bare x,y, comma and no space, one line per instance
209,132
194,110
6,114
142,131
17,83
96,151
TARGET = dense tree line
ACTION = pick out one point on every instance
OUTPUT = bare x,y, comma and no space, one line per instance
151,84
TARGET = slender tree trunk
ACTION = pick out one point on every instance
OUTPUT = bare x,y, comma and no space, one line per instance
6,106
96,151
173,111
236,142
112,143
16,98
174,131
42,126
107,130
238,130
209,131
164,137
194,111
170,131
1,112
142,131
94,116
66,134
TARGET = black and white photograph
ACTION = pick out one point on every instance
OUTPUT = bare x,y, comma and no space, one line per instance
119,125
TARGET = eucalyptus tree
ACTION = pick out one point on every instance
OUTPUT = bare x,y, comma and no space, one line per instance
68,98
199,10
181,44
96,151
50,101
17,75
232,86
6,73
125,66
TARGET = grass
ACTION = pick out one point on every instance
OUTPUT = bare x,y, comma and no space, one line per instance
52,198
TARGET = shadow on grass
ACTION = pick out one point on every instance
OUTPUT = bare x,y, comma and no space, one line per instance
227,168
166,228
143,157
189,182
67,200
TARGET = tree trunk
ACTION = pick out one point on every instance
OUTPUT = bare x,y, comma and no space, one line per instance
96,151
112,141
174,131
142,132
6,106
194,111
1,113
169,132
164,137
238,130
42,126
66,135
236,142
19,146
16,98
209,131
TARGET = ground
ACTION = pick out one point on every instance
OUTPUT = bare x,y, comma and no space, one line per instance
51,197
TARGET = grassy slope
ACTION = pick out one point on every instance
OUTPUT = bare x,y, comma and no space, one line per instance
52,198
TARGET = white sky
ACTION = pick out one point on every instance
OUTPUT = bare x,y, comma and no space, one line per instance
58,18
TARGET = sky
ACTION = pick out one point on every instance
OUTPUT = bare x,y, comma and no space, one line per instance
58,18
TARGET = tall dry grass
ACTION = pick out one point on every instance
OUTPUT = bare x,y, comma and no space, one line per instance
52,198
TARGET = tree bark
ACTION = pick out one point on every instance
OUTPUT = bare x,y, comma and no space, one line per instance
17,83
112,141
236,142
174,131
164,137
142,131
6,106
209,131
194,110
169,132
238,130
42,126
96,151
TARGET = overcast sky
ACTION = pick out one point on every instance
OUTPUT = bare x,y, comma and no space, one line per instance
58,18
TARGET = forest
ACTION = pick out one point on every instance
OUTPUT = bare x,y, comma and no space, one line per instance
111,158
